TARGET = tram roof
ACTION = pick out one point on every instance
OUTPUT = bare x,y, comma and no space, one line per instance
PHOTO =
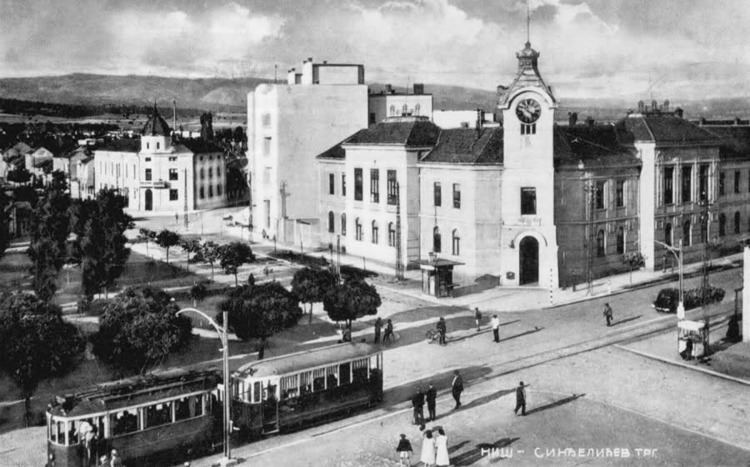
133,391
296,362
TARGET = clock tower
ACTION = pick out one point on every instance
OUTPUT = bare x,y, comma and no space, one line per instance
529,246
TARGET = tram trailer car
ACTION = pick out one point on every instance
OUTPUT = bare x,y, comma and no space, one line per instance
153,420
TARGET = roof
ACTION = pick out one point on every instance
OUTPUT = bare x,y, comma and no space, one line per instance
468,146
527,76
665,129
336,152
121,145
735,140
401,131
156,125
596,145
200,146
320,357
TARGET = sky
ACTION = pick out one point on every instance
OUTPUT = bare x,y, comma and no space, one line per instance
589,48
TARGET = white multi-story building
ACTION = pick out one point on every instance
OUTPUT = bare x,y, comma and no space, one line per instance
389,103
288,125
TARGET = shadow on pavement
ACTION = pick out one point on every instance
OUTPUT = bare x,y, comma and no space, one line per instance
442,382
481,450
557,403
488,398
633,318
525,333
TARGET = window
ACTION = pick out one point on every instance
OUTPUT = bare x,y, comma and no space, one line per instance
737,222
343,184
188,407
357,230
148,159
687,194
266,175
372,118
123,422
528,201
157,145
391,234
374,232
210,172
668,234
210,191
703,183
392,187
158,414
331,183
218,189
345,373
722,224
668,185
722,177
437,194
203,173
392,110
267,146
266,120
358,184
148,174
736,181
601,189
374,185
528,128
173,174
600,243
456,243
202,193
172,159
343,224
147,146
620,241
436,240
457,196
686,233
620,193
331,226
218,171
267,209
173,195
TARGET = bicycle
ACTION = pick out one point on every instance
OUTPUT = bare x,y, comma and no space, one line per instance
432,335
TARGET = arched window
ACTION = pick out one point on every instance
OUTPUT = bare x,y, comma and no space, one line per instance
218,171
600,243
374,232
391,234
668,234
737,222
722,224
456,243
331,226
686,233
436,240
343,224
210,191
202,193
620,240
357,229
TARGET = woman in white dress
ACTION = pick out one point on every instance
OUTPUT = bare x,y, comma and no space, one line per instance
441,448
428,449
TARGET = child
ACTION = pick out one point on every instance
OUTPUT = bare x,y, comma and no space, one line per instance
404,451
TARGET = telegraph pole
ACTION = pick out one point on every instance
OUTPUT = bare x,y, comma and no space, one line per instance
399,259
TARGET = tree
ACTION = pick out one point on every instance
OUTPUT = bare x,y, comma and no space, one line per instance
261,311
198,292
35,343
6,205
167,239
633,259
190,245
351,300
19,175
139,328
211,254
233,255
146,235
310,285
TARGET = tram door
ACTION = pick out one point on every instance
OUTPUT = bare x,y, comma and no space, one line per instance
270,406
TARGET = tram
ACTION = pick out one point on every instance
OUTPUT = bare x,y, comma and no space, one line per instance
166,418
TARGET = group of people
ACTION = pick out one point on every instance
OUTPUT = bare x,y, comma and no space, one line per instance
422,395
387,331
434,451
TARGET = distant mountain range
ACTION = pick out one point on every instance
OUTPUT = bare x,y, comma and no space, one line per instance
229,95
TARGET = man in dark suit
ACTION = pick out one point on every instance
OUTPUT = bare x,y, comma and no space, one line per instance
378,325
431,401
442,330
520,399
417,402
457,387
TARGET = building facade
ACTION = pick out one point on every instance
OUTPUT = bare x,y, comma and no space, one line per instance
389,103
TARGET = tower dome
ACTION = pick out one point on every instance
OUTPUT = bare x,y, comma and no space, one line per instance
156,125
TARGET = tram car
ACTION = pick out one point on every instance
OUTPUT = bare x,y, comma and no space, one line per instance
294,390
166,418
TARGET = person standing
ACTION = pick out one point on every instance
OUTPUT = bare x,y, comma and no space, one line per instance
388,333
404,451
477,317
378,325
417,403
442,330
457,387
431,401
608,314
495,322
428,449
520,399
442,459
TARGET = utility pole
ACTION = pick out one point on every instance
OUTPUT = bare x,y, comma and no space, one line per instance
284,195
591,190
399,259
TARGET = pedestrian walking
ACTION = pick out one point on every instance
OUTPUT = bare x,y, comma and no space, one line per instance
520,399
378,325
428,449
477,317
608,314
442,330
457,387
431,397
404,451
495,322
388,333
442,459
417,402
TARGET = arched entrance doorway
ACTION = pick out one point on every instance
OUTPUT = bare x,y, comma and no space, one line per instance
149,200
529,261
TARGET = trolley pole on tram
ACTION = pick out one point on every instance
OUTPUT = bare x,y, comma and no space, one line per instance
222,332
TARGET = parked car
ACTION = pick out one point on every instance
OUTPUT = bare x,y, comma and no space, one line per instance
667,300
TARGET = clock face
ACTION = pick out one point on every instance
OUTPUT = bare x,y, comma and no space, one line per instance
528,110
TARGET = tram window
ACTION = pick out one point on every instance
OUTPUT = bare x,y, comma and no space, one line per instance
331,377
159,414
305,382
123,422
256,391
188,407
57,432
289,387
73,431
359,371
345,375
319,379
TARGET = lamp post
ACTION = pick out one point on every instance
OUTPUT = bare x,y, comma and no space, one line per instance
222,332
677,252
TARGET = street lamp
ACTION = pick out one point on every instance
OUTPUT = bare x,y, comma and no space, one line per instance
677,252
222,332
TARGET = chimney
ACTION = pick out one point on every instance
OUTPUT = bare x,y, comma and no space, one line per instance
678,112
418,88
641,107
590,121
572,118
665,107
388,89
